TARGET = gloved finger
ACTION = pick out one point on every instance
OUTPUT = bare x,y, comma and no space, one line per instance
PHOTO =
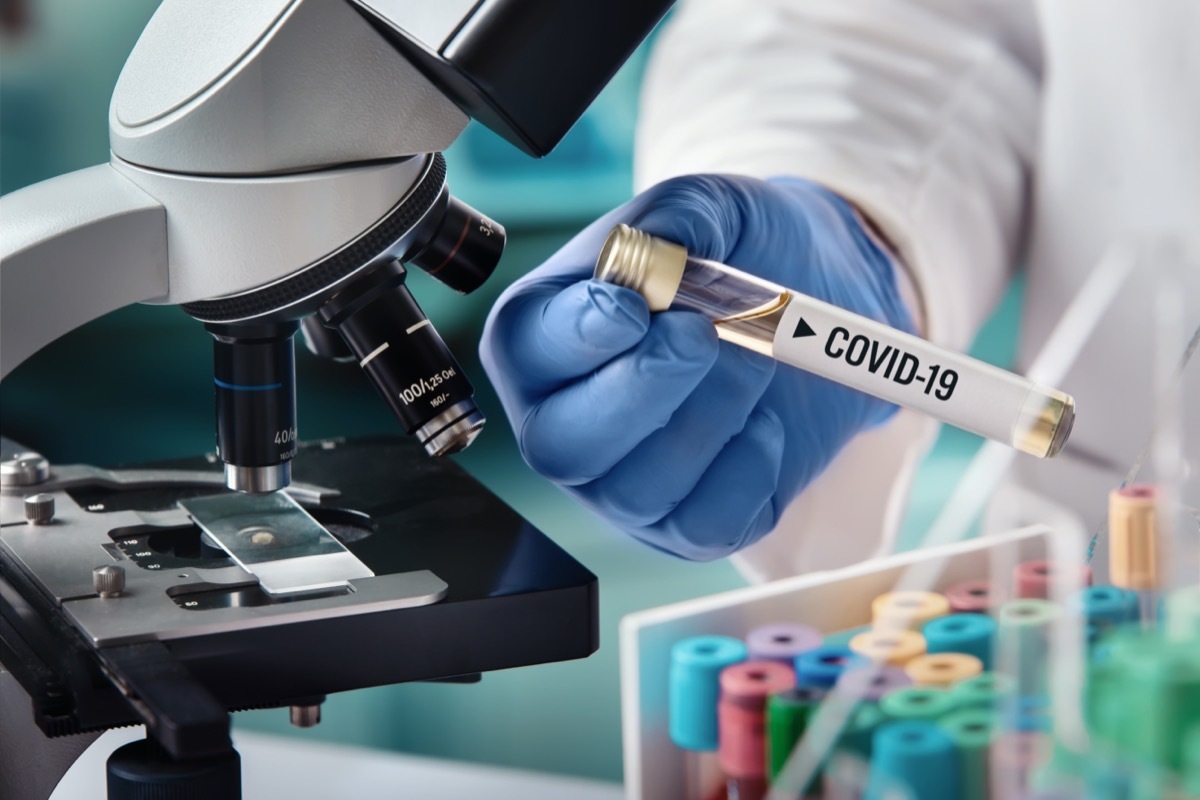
578,433
666,466
704,213
542,339
733,503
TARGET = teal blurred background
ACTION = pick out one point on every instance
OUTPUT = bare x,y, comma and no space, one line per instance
136,385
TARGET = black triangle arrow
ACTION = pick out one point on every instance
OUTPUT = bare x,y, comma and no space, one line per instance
803,330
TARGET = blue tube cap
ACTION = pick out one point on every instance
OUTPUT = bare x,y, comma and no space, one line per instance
695,686
972,634
1107,605
913,755
822,666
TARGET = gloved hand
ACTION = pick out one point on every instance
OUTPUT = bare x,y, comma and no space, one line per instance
693,445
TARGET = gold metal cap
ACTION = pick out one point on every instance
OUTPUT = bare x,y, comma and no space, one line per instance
1045,422
650,266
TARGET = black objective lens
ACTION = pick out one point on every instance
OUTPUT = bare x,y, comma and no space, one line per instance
324,342
255,379
406,359
461,247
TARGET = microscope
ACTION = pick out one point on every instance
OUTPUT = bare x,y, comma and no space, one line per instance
275,166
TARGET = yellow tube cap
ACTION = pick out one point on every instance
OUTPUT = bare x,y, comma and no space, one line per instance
942,669
907,610
896,647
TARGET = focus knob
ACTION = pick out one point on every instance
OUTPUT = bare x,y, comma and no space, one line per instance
142,771
23,469
39,509
109,580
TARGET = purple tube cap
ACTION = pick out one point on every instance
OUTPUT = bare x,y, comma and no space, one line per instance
781,641
873,682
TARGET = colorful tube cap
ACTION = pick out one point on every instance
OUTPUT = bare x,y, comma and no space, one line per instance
822,666
915,756
943,669
781,641
987,690
962,633
872,683
889,646
695,687
907,610
1106,605
918,702
972,597
1034,578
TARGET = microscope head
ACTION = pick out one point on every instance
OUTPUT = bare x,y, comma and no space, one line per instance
352,304
295,147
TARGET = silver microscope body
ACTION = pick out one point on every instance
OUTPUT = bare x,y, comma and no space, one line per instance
273,163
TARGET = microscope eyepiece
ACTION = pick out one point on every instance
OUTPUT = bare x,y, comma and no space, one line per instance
405,358
254,377
459,246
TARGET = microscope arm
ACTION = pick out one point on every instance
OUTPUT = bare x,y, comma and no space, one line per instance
72,249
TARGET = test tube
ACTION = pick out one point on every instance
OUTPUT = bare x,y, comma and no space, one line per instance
693,691
1133,538
788,715
1023,642
914,758
839,345
1015,756
742,717
973,731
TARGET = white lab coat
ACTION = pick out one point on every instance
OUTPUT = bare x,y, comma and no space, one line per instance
974,133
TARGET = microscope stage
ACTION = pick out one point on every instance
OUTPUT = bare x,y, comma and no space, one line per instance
461,585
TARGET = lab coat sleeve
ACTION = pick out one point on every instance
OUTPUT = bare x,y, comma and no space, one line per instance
923,113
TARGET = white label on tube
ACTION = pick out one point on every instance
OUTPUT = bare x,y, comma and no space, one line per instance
901,368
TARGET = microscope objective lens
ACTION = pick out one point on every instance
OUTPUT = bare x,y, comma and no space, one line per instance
254,381
405,358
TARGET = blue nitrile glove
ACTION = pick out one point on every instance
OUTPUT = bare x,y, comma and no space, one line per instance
693,445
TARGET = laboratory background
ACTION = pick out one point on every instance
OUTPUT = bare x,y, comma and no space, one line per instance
135,386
